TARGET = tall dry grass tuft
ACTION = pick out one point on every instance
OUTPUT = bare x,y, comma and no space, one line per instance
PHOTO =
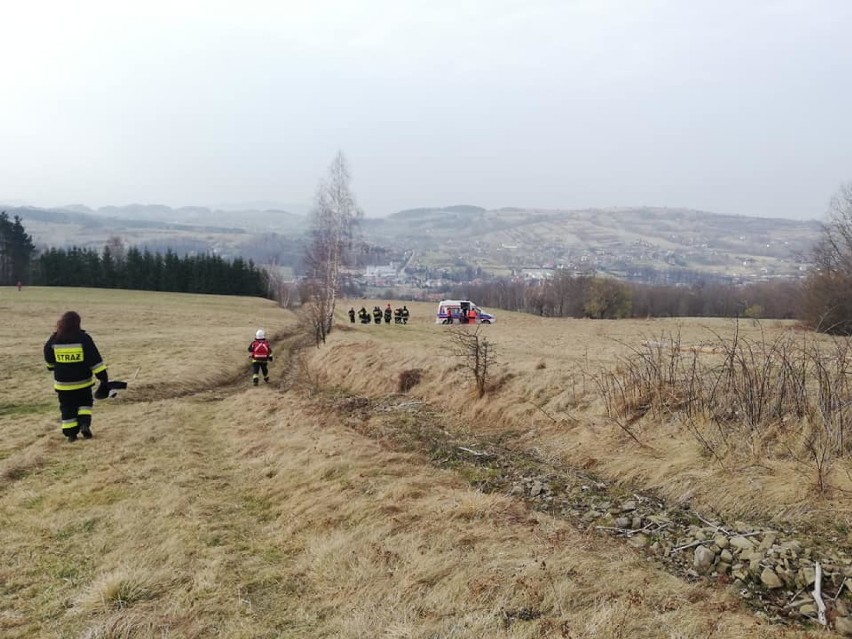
116,590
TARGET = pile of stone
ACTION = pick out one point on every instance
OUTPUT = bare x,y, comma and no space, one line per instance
774,571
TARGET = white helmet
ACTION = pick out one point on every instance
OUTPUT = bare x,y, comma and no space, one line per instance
260,334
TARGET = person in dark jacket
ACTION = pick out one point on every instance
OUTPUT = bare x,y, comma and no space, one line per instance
388,314
377,315
75,361
261,354
352,315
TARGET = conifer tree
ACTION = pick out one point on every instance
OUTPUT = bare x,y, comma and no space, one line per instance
16,251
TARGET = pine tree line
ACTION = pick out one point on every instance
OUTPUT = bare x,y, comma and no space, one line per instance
143,270
16,251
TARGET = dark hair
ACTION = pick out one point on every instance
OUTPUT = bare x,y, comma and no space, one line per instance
68,325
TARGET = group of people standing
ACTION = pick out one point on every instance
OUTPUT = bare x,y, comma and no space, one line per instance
399,315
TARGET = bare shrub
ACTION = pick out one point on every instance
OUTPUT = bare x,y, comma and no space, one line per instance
789,391
476,353
656,377
408,379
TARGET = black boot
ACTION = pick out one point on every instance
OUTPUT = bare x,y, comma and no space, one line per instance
86,432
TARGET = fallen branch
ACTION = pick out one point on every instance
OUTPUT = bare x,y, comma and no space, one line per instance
818,595
694,543
716,527
629,532
839,590
627,430
475,453
794,598
624,531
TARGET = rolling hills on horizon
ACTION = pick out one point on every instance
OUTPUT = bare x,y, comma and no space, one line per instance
625,241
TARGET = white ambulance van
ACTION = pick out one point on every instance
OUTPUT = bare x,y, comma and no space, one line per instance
455,312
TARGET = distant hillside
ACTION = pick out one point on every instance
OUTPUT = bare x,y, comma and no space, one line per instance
643,243
628,242
159,228
271,220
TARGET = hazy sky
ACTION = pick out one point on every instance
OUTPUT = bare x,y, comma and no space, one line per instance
722,105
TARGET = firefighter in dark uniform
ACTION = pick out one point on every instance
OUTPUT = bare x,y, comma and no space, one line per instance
75,361
261,353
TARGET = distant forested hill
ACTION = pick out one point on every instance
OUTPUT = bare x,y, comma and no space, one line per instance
626,242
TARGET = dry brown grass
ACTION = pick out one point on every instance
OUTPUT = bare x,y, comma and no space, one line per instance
550,400
253,513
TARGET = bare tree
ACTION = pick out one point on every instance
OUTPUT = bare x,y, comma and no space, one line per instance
116,248
476,353
334,218
284,292
828,291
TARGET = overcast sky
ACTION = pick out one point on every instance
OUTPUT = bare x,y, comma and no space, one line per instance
730,106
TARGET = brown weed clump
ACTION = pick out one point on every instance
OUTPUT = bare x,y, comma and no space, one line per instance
408,379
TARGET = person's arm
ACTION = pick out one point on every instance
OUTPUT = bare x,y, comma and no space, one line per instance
49,357
93,359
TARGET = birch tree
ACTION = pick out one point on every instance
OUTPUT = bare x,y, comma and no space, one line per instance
333,221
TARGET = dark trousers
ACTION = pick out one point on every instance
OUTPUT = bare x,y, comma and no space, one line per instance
259,367
75,408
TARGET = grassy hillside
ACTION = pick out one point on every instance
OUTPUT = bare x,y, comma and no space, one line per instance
205,507
547,396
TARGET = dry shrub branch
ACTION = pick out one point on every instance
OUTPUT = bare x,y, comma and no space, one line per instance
790,395
476,353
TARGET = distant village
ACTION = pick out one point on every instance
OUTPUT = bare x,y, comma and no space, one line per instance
430,274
